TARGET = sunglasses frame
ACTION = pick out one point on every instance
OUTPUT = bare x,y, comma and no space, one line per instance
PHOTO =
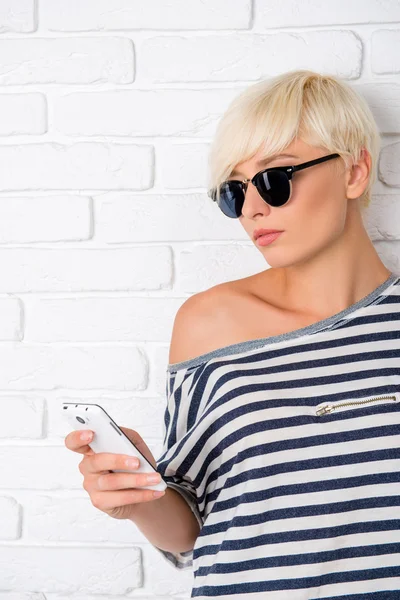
287,170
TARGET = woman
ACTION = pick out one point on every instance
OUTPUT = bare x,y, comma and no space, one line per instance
282,429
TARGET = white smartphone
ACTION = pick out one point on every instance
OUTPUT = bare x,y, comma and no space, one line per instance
108,437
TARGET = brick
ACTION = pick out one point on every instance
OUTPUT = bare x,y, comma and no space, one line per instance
389,159
114,15
159,217
313,12
11,517
251,57
23,114
77,521
17,16
43,367
142,112
11,327
100,319
202,267
87,269
66,60
390,252
25,417
23,596
384,102
80,166
160,583
385,51
182,166
160,363
46,219
106,570
382,217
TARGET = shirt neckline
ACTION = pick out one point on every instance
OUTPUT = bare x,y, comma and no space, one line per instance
371,298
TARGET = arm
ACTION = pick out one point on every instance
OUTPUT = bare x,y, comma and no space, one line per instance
168,522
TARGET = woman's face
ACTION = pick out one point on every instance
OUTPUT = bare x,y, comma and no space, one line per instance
313,218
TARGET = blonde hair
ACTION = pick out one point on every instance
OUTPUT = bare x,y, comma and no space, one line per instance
320,109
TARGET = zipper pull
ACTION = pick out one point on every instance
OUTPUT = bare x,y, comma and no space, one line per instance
323,410
328,408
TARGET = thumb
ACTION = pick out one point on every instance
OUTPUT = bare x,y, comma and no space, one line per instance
140,444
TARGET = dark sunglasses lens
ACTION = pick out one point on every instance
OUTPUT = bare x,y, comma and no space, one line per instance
231,199
274,187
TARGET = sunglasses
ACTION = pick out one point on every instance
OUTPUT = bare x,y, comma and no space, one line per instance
274,186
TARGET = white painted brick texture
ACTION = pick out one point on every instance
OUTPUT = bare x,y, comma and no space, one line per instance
23,114
80,165
114,15
313,12
17,16
50,218
107,111
152,113
75,60
247,56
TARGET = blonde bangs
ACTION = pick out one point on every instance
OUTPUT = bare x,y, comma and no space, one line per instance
266,117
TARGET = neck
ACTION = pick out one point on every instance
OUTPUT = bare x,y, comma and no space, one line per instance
343,273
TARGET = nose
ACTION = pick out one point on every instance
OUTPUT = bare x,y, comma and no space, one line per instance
253,203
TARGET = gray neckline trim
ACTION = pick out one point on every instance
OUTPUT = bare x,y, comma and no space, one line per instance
313,328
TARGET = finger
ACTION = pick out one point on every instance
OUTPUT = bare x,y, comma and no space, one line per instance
74,442
120,481
107,461
107,500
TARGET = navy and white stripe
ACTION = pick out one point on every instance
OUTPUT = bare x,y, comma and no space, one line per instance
292,504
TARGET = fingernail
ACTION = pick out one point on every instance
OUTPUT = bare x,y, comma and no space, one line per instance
86,436
158,494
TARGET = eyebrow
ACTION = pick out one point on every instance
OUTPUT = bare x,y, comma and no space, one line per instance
266,161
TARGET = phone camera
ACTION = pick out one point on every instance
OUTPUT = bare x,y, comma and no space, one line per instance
80,420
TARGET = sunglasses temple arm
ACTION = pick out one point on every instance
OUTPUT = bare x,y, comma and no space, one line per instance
310,163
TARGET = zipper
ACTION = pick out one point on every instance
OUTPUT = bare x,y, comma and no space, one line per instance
324,409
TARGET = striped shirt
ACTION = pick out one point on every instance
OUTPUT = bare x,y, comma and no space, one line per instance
287,450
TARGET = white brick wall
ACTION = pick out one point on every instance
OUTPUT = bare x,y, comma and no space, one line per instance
144,113
81,165
123,15
17,16
74,60
23,114
247,56
107,109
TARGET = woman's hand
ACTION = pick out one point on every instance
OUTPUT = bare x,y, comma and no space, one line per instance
115,494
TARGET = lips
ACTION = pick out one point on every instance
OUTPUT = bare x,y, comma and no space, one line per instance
259,232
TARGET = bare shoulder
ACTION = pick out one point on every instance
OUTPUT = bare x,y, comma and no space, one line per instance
200,322
228,313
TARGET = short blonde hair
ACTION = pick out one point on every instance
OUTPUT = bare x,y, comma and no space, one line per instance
320,109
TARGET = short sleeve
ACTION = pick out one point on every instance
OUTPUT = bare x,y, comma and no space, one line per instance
177,441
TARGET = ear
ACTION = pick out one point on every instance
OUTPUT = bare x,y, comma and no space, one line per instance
358,175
